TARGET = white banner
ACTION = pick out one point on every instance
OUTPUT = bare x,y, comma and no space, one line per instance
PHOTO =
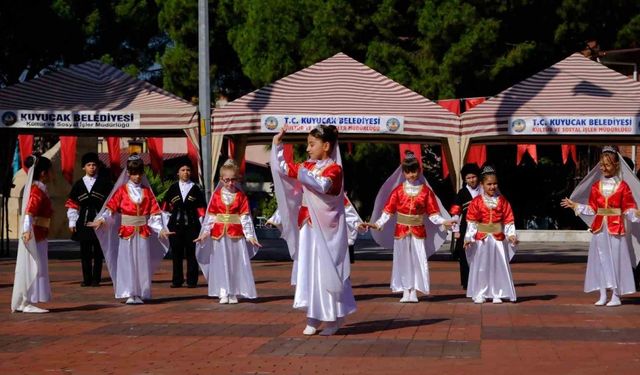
344,123
573,125
69,119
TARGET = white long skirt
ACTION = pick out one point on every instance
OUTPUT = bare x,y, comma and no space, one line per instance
410,269
135,270
230,270
40,288
489,270
310,294
609,264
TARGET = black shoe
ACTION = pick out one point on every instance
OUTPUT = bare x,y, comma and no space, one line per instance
83,284
95,284
176,285
192,286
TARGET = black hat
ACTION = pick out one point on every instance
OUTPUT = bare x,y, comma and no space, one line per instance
183,161
470,168
90,157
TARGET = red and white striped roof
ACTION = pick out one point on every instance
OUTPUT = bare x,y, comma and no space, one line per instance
575,86
94,86
338,85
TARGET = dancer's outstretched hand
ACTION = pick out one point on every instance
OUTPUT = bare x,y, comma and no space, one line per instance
96,223
513,240
466,244
201,237
363,227
277,139
26,236
449,223
568,203
254,242
165,234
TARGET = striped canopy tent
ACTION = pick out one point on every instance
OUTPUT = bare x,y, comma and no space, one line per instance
336,86
575,91
97,87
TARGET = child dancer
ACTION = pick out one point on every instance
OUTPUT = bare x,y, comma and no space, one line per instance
186,205
611,201
471,189
222,248
411,201
85,200
31,283
132,234
490,243
319,246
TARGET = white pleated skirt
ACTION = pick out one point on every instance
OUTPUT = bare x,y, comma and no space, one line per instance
410,269
311,295
229,271
134,272
489,270
609,264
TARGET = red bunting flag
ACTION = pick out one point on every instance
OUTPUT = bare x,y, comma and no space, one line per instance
25,143
531,149
232,154
113,146
569,150
68,156
477,154
156,151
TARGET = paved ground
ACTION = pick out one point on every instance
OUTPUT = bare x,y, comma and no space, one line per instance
552,329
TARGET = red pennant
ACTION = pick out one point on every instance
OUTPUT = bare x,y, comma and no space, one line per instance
453,105
531,149
569,149
445,166
113,145
350,148
155,146
477,154
68,156
232,154
472,102
194,157
25,143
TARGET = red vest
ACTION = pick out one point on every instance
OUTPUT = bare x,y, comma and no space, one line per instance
621,199
228,216
40,210
414,207
121,202
479,213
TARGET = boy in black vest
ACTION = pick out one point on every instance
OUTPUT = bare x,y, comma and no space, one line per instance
185,202
85,200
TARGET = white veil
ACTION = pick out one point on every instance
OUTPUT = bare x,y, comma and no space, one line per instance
326,211
583,190
436,234
108,234
27,256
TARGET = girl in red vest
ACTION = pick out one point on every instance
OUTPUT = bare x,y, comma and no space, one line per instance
490,243
223,252
31,284
611,203
132,234
311,205
412,202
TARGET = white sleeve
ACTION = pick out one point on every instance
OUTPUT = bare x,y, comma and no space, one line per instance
455,228
275,219
247,226
317,183
207,223
106,215
155,223
383,220
631,215
437,219
472,229
72,216
282,164
510,230
352,218
27,224
584,209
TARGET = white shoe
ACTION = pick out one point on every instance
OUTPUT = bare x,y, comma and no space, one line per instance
309,331
138,300
233,299
33,310
497,300
224,299
131,301
479,300
405,296
413,296
601,301
615,301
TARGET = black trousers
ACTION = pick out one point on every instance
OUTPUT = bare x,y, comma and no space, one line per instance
352,253
91,258
182,246
459,253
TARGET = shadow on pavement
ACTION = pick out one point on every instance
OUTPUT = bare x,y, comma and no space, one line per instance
385,325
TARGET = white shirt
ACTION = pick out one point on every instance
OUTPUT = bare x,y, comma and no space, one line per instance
185,187
474,191
88,182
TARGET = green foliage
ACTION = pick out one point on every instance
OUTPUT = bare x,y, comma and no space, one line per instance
268,206
158,185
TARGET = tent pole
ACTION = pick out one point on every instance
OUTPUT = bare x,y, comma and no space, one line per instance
204,91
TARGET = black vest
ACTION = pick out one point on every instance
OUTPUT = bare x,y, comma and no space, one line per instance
184,214
90,203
